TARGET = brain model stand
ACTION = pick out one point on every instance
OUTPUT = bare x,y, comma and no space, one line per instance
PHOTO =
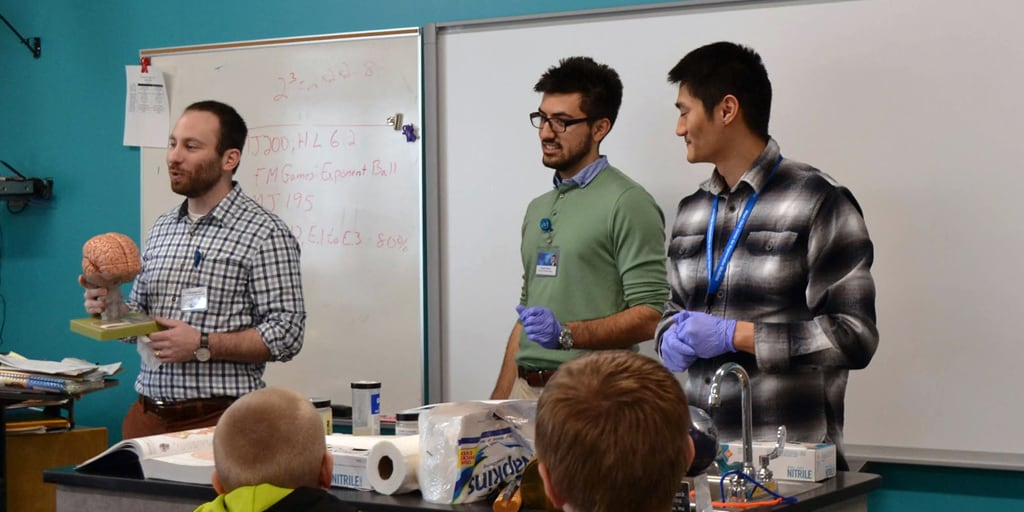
108,261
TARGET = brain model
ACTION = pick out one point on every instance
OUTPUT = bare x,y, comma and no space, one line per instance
109,260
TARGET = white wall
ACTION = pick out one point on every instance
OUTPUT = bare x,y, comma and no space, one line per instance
914,105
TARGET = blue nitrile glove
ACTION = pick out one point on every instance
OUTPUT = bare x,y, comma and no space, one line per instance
540,325
676,355
709,336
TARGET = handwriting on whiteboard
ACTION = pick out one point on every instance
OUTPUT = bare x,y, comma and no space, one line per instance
276,201
292,83
317,176
324,172
319,235
303,140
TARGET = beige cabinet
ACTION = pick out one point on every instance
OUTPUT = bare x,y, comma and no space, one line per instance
28,455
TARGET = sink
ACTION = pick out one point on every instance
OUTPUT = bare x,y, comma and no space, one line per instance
784,487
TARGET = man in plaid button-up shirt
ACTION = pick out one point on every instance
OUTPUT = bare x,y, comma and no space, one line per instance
790,295
221,276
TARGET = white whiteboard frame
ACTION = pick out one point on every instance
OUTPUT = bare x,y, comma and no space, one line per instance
429,328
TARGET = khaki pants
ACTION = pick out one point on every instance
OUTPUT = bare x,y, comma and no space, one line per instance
522,390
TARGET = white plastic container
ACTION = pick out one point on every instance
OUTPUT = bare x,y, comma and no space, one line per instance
407,423
365,408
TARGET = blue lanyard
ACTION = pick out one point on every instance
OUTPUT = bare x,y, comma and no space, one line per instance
717,273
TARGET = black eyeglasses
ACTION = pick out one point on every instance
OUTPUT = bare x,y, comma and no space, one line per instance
558,125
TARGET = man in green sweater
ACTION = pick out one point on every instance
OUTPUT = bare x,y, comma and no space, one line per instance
593,247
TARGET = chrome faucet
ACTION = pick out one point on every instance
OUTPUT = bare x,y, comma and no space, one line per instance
738,485
764,473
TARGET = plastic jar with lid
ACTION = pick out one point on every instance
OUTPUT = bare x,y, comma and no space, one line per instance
407,423
323,407
366,408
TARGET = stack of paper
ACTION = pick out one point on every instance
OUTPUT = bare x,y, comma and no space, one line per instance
69,375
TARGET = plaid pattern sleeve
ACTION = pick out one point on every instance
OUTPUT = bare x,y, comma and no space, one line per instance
801,274
248,264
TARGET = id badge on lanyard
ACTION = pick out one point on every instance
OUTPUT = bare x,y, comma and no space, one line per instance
716,273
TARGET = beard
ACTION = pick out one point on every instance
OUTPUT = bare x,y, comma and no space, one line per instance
201,180
569,157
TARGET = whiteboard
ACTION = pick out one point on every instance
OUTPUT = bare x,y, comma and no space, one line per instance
912,104
321,155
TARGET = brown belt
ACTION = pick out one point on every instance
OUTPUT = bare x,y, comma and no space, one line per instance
185,409
536,378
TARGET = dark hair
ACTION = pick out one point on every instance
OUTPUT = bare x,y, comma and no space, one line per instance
713,71
599,85
232,127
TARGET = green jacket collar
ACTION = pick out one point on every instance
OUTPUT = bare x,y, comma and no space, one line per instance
252,498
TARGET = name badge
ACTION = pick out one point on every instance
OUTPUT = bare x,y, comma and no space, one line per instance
194,299
547,261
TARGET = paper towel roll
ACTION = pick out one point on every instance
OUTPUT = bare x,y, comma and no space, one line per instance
391,465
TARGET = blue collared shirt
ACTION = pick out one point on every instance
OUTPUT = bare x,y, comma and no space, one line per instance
586,175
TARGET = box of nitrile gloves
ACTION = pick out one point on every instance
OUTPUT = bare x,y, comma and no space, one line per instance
349,468
350,454
808,462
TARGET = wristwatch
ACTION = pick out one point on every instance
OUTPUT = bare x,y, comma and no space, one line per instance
565,338
203,352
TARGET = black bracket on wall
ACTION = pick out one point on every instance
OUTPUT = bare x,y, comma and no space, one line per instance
34,44
19,190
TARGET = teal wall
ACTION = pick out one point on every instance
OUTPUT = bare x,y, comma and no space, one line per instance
936,489
61,116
